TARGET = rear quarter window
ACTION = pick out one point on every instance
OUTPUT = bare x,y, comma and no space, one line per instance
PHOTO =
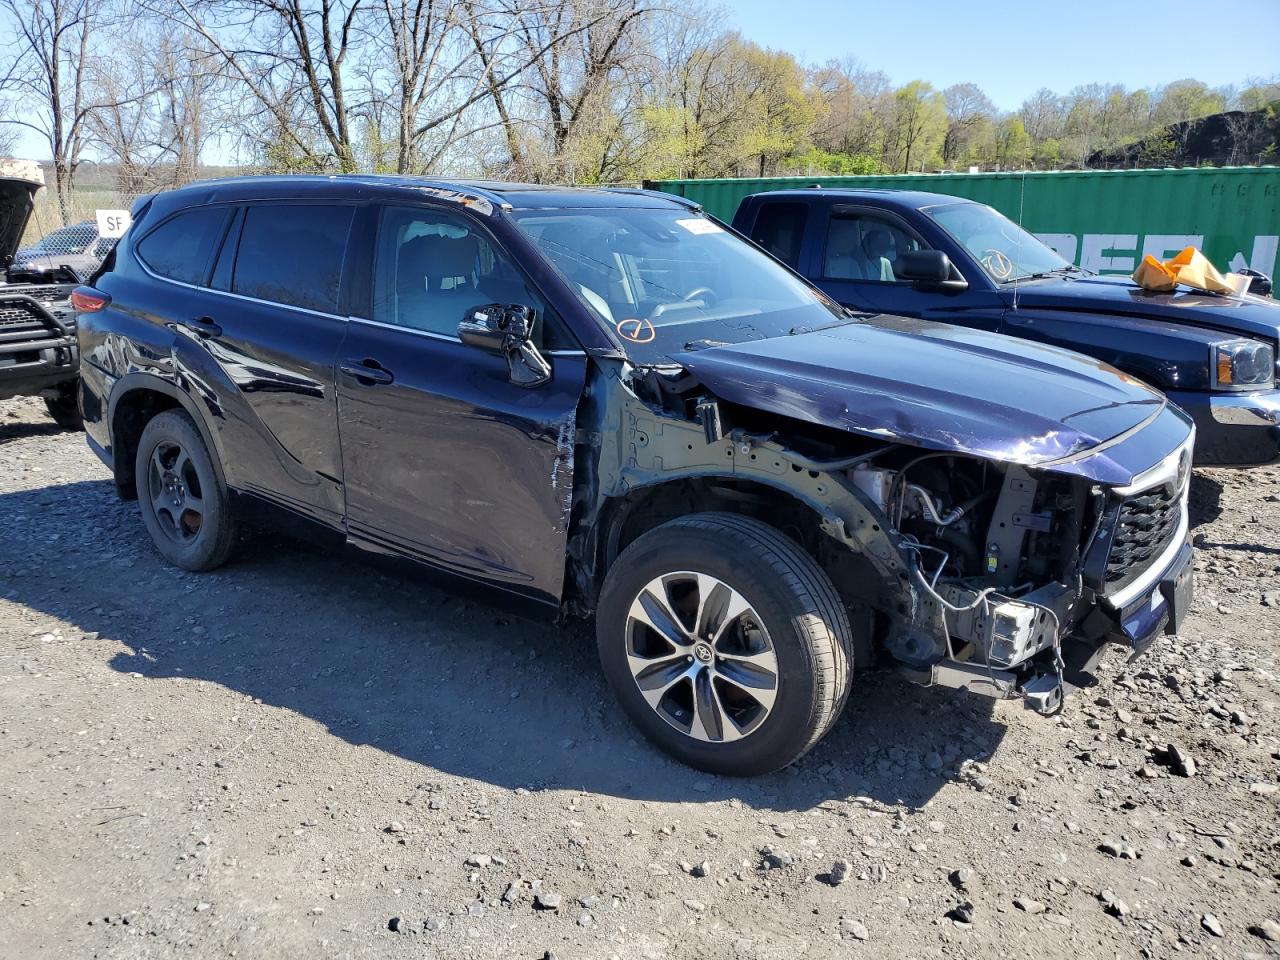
292,254
779,228
181,247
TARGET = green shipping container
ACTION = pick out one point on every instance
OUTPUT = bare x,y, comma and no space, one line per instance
1104,220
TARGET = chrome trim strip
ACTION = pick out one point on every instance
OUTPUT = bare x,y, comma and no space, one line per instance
433,335
332,316
235,296
1162,473
1099,447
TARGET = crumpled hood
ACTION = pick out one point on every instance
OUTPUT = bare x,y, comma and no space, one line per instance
1247,316
17,199
945,388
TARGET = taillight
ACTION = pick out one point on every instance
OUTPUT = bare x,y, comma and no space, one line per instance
88,300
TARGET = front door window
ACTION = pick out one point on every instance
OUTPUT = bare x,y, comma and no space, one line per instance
864,247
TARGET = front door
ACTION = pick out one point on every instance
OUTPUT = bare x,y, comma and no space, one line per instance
444,458
856,268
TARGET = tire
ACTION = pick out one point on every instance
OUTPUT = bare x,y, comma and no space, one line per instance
64,408
185,506
792,609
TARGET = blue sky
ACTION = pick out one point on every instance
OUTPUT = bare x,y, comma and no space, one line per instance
1011,48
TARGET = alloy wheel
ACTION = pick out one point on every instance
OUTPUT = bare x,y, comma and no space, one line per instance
701,656
176,495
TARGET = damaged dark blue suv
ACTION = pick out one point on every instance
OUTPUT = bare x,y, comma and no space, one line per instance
602,402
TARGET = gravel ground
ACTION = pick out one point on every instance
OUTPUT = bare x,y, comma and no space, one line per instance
298,756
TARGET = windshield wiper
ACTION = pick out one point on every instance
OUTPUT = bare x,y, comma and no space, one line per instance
850,316
1040,275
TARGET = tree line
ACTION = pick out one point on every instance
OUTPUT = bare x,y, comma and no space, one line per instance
582,91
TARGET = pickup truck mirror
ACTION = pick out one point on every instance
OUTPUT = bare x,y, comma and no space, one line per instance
507,328
926,268
1259,282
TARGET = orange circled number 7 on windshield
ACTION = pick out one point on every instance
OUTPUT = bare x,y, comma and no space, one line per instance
635,329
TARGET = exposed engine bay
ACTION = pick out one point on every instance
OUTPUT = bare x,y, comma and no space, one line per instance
998,554
982,575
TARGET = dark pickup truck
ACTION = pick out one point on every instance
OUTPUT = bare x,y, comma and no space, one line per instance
38,353
942,258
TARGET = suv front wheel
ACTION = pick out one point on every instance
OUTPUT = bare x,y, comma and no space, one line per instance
185,506
725,642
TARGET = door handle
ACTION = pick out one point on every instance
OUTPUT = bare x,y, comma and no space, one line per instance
203,327
366,371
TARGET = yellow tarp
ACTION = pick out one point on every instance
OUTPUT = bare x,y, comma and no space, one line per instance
1190,268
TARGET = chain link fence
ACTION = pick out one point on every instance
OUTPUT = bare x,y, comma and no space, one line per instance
75,231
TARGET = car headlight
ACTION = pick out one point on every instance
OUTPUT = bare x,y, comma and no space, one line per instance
1242,364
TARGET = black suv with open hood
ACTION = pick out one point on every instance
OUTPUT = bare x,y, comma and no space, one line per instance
604,403
38,355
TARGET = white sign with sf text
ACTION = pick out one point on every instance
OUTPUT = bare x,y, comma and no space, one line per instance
113,223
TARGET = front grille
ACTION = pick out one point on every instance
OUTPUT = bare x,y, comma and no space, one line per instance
1145,525
19,314
44,292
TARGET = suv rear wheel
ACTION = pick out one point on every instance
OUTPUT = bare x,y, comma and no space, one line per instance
184,505
725,642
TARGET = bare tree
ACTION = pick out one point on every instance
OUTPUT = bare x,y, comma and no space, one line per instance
855,104
49,69
159,107
566,54
425,50
290,56
967,108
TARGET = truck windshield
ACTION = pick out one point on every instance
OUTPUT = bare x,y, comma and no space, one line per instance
1005,250
665,279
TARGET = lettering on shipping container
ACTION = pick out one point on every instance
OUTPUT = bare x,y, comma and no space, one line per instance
1119,253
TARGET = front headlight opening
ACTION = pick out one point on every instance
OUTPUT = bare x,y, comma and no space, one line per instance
1243,364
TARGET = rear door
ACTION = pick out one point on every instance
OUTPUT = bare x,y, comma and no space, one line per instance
272,323
444,459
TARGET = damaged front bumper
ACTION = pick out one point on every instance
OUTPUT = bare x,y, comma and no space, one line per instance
1027,658
1044,681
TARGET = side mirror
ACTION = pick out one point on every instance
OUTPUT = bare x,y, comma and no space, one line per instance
506,328
1259,282
930,269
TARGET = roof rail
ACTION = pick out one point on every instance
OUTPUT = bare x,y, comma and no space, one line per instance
467,192
662,194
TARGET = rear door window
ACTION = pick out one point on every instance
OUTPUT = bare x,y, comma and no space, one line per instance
779,228
292,254
180,248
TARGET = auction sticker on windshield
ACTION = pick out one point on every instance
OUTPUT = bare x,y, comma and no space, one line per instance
699,225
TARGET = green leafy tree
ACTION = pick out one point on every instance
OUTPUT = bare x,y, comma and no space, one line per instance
917,126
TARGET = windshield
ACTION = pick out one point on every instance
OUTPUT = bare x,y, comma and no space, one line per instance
663,279
1005,250
65,240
